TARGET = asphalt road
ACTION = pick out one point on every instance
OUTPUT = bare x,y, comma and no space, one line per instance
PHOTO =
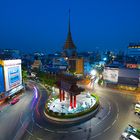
25,120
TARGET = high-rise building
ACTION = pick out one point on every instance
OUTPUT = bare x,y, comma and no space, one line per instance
134,49
133,56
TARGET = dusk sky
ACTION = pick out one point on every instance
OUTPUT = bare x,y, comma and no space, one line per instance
43,25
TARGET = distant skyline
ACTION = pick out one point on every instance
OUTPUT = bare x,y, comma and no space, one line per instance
43,25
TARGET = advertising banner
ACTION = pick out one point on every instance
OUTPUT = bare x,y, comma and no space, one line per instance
13,76
111,75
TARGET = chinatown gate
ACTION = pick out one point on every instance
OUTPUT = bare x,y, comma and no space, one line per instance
68,84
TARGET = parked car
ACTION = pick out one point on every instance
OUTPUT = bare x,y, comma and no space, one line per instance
127,136
130,130
14,101
137,109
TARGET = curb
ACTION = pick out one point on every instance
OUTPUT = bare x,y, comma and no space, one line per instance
72,120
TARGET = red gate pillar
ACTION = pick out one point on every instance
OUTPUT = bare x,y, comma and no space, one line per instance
71,101
60,95
75,101
63,95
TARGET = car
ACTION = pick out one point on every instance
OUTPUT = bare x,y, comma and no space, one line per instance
133,138
124,135
137,105
127,136
14,101
137,108
130,129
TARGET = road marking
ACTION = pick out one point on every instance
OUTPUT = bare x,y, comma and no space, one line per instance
74,131
48,130
23,126
108,113
117,107
96,135
107,129
114,122
39,125
62,131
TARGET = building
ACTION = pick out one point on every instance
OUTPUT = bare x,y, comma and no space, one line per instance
129,78
69,49
56,65
10,77
134,50
27,60
110,75
76,65
122,77
37,64
7,54
133,56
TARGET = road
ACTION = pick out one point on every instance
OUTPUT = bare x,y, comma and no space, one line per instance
25,120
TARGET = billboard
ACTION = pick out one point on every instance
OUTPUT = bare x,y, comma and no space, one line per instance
1,80
12,74
111,74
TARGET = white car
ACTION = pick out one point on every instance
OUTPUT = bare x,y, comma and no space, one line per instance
126,136
137,108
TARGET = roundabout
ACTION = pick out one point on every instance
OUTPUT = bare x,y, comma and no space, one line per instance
60,111
94,126
108,122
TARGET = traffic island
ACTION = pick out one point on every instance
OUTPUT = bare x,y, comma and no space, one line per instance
63,112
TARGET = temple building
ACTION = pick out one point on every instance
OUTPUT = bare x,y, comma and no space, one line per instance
69,49
75,63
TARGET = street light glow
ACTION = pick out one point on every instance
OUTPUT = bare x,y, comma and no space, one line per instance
104,58
93,72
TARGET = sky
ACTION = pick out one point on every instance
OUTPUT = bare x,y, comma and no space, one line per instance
42,25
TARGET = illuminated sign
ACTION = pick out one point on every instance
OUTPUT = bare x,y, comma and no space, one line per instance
12,74
111,75
132,66
134,47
